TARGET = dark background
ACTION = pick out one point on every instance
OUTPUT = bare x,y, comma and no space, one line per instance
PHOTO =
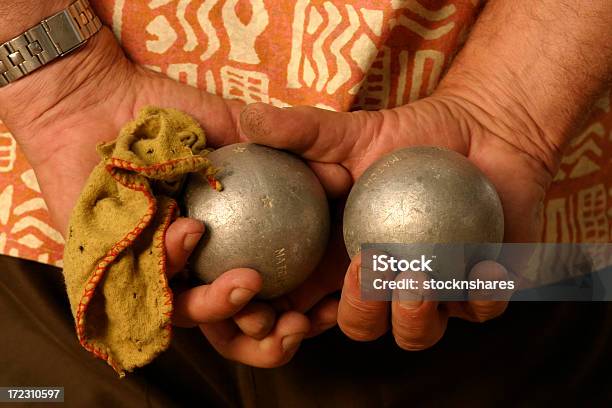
536,354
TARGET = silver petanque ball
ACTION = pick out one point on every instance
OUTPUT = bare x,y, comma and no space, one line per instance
272,215
422,195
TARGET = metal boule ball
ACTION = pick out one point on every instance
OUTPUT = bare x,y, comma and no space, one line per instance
422,195
272,215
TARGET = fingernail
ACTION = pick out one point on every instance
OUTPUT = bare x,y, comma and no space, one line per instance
411,304
291,342
191,240
240,296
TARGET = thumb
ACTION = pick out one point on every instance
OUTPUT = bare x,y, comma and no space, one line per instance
315,134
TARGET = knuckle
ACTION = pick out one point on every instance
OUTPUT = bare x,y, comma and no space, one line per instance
210,314
360,332
253,118
254,326
412,344
193,305
362,308
415,340
362,321
415,331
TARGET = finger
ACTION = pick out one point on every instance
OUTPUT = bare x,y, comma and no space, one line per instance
326,279
256,319
316,134
335,178
418,323
181,238
220,300
490,271
484,304
272,351
359,319
323,316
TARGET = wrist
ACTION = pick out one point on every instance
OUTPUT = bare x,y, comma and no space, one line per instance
39,107
489,107
20,15
531,71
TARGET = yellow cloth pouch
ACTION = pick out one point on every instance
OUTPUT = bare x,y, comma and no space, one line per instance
115,257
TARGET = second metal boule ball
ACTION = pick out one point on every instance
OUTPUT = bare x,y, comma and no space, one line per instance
272,216
422,195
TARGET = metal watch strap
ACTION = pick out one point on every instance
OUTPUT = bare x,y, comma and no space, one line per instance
53,37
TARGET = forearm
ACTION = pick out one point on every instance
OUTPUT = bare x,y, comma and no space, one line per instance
52,111
39,107
534,68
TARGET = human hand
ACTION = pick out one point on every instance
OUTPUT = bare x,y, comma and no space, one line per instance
341,146
316,296
61,112
510,102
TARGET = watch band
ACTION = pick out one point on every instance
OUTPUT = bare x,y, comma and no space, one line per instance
53,37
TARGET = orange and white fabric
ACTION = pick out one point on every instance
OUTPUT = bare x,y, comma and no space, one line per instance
328,53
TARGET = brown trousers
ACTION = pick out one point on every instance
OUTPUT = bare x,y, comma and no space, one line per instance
546,353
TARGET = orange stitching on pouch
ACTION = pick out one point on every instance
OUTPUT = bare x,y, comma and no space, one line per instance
124,164
119,163
167,292
99,271
122,180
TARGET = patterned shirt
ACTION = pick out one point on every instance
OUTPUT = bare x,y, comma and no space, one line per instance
333,54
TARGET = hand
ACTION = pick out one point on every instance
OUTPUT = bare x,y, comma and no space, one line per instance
61,112
510,102
237,329
316,296
340,146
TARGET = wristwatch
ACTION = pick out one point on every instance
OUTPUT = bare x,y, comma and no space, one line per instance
52,38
